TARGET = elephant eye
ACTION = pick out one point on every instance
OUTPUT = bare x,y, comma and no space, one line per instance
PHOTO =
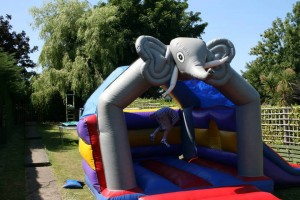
180,57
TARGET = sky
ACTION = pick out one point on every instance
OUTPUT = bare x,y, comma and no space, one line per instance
242,22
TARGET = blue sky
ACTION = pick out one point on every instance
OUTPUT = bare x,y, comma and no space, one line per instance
242,22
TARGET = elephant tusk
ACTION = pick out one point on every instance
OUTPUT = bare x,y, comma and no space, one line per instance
168,53
215,63
172,82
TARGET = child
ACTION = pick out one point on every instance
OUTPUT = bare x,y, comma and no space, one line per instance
166,118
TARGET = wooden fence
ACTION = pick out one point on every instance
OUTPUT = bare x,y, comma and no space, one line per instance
290,153
281,131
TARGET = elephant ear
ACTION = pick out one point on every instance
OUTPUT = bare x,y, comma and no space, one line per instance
158,61
221,48
218,49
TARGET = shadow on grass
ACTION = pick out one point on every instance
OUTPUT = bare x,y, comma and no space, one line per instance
290,193
12,170
55,141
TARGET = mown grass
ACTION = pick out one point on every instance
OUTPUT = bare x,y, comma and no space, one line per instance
152,103
12,170
65,160
291,193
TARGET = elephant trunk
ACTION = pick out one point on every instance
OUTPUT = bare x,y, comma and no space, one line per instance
199,72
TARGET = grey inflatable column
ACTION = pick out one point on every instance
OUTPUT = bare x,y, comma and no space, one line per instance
155,67
248,120
114,141
247,101
250,145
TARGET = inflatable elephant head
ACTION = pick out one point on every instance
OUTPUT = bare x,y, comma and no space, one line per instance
185,58
205,62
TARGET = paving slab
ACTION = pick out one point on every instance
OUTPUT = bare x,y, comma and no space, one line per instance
41,184
31,133
35,154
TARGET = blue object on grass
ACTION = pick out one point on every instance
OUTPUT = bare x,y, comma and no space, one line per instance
73,184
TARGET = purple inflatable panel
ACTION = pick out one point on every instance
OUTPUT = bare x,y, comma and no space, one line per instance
223,116
91,174
141,120
83,132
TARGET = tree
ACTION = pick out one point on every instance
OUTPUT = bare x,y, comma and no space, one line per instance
80,45
14,61
275,71
12,82
83,45
17,44
163,19
12,87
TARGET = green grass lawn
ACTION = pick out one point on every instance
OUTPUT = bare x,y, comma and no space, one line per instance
152,103
292,193
65,160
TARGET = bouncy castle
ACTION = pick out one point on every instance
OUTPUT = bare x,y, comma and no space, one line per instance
216,148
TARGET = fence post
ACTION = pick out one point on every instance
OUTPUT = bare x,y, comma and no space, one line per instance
285,130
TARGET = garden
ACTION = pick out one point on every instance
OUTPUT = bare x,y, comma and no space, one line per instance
84,44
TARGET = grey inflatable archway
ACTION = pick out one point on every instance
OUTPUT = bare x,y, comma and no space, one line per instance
162,65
